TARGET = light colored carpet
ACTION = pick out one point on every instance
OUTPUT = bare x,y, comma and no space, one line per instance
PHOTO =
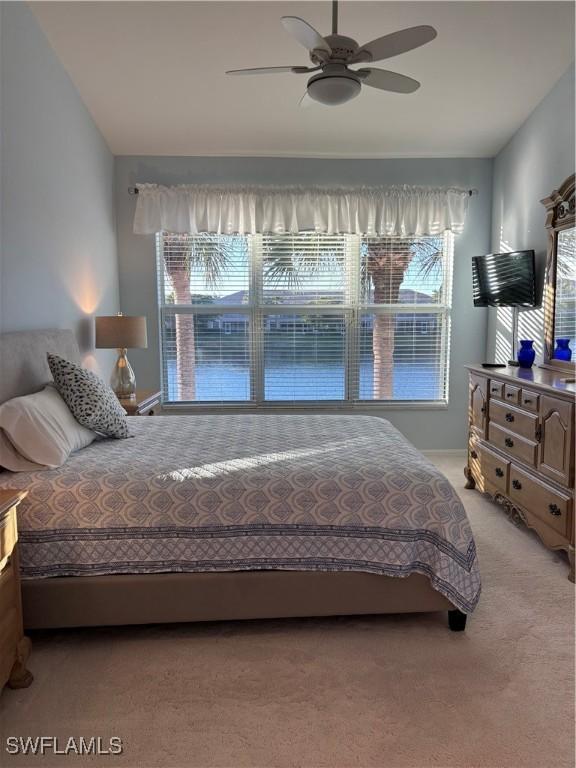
389,691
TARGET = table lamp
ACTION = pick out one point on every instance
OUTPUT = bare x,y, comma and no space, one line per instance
122,332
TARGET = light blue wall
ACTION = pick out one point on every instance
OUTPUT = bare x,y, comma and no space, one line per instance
58,236
535,161
137,260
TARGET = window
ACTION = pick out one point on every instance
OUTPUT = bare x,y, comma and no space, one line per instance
276,319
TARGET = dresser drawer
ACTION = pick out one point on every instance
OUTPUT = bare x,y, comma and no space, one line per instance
548,504
495,469
497,389
511,443
515,420
511,394
529,400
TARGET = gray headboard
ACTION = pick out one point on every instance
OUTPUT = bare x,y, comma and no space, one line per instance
23,365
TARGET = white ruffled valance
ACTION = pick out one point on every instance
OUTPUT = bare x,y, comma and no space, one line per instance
389,211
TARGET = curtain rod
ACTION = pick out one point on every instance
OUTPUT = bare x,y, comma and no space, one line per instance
134,191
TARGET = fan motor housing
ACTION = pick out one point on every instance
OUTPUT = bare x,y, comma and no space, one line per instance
343,49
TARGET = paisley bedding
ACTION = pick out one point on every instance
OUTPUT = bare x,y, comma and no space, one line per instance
231,493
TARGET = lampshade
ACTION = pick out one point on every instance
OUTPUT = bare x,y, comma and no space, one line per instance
121,331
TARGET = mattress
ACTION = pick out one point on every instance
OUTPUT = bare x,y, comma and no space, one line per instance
249,492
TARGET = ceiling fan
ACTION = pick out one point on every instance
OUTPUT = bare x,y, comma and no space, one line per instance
332,56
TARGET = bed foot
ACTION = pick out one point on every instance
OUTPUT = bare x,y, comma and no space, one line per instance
457,620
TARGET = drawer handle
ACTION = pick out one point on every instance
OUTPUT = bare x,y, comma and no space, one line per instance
509,394
499,472
483,409
494,390
527,401
473,455
509,417
516,484
554,510
509,442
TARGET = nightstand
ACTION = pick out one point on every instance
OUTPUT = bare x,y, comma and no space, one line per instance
144,404
14,647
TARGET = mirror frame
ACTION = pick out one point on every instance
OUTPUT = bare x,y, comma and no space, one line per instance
560,215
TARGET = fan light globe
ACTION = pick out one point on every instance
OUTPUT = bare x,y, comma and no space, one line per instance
334,89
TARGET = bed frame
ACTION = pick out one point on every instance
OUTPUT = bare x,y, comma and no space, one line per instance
83,601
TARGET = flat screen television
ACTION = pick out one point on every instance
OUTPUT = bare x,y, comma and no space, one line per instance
504,280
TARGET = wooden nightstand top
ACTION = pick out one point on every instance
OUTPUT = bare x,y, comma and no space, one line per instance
144,402
9,498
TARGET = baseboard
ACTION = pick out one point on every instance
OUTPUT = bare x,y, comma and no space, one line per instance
447,451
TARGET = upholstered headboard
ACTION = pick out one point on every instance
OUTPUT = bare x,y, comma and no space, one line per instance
23,365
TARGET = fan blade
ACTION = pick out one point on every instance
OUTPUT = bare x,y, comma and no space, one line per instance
305,34
388,81
396,43
268,70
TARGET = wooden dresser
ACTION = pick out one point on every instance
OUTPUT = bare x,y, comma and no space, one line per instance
14,647
521,447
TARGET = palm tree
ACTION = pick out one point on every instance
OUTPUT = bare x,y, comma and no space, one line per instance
383,270
209,255
385,266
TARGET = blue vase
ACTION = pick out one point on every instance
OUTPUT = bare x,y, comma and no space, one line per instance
563,351
526,354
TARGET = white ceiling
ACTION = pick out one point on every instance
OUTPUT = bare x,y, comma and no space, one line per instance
152,75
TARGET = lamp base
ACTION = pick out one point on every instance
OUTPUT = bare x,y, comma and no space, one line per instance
123,380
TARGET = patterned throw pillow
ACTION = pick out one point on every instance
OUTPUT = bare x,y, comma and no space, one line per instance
92,403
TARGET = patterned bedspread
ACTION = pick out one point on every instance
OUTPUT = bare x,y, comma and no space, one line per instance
228,493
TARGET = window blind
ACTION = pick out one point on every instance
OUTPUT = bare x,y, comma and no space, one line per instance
404,325
297,319
305,269
204,269
206,357
304,356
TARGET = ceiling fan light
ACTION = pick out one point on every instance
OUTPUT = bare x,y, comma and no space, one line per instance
333,89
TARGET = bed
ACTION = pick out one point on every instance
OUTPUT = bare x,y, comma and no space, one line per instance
199,518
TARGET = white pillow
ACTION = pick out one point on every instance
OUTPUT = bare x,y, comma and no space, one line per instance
11,459
42,429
